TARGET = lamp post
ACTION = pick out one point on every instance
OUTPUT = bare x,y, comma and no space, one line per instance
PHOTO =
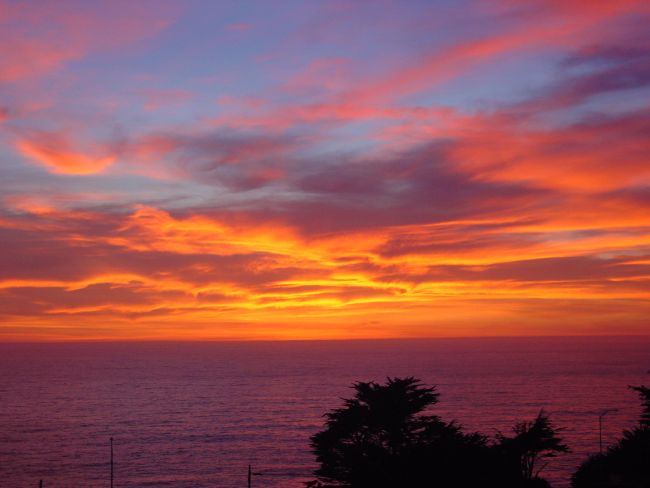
600,427
252,473
111,462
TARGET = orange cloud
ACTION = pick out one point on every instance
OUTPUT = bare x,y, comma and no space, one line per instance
151,228
235,277
577,157
55,153
524,219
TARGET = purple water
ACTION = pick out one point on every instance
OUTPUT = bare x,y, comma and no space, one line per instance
196,414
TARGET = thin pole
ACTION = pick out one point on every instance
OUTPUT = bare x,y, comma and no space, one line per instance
600,426
600,433
111,462
40,484
250,476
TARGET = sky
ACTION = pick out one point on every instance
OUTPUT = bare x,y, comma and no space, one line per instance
205,169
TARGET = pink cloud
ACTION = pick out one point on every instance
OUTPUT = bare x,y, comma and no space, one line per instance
60,33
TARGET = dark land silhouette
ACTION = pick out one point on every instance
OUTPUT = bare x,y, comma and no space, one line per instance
386,437
626,464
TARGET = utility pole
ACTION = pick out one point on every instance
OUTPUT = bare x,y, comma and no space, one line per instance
111,462
250,476
600,427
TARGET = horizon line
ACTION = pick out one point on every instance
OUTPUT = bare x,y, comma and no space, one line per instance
354,339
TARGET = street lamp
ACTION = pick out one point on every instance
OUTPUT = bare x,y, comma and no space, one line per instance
600,426
251,473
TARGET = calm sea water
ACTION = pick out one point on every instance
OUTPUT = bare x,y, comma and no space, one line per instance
196,414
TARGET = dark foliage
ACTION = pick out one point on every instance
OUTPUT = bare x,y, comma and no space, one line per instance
627,463
624,465
531,444
384,438
644,393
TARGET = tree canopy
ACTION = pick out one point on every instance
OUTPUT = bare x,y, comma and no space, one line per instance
644,393
532,442
386,436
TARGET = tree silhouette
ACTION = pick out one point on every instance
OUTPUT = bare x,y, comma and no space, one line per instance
383,437
531,443
644,393
366,439
626,464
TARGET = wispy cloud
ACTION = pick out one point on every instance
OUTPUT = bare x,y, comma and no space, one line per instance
348,185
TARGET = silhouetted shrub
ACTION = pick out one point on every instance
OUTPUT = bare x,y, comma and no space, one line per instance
531,443
382,438
627,463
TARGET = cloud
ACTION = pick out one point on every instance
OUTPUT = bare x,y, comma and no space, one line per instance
241,160
55,152
59,34
347,189
576,156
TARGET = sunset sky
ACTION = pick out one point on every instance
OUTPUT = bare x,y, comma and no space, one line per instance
323,169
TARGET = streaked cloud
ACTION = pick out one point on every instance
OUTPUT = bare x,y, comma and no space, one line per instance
56,154
291,174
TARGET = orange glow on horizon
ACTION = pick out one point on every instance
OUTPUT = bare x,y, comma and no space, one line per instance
325,293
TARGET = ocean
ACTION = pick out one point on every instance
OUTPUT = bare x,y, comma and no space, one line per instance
190,414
